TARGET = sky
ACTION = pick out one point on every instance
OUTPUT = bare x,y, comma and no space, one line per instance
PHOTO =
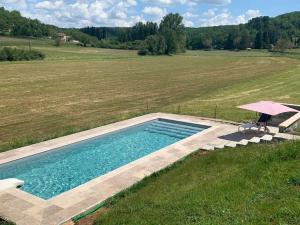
124,13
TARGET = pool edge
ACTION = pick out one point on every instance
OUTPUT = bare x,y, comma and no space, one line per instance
84,197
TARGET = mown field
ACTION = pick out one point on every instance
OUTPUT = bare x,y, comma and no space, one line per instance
78,88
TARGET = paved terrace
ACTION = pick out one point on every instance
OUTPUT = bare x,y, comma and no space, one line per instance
26,209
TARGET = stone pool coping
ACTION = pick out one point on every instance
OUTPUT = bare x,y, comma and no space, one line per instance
26,209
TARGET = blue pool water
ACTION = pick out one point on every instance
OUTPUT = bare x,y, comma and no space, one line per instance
49,174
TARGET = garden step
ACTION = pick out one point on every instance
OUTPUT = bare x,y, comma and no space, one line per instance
231,144
255,140
207,148
243,142
283,136
267,137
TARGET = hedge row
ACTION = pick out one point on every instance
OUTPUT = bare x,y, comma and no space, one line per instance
14,54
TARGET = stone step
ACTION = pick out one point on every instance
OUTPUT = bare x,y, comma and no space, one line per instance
283,136
207,147
218,146
231,144
243,142
255,140
267,137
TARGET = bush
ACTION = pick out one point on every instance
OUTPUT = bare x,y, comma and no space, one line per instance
143,52
14,54
114,44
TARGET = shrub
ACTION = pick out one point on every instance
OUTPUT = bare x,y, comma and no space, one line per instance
143,52
14,54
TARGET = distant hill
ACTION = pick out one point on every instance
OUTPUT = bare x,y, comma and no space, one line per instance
261,32
12,23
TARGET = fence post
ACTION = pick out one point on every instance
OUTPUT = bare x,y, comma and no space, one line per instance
216,107
178,109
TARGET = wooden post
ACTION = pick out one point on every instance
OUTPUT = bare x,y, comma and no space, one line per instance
216,107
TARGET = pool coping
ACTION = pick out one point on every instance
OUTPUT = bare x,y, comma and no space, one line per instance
24,208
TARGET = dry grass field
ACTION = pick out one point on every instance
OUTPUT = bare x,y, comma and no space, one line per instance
78,88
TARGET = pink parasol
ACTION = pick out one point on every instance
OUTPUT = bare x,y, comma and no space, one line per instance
268,107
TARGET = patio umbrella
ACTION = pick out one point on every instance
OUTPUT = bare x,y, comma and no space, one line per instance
268,107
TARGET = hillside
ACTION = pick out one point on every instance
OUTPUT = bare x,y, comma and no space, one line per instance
12,23
260,33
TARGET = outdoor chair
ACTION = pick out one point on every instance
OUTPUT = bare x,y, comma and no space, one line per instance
261,123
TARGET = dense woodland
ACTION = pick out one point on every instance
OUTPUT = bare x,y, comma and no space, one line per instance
260,33
12,23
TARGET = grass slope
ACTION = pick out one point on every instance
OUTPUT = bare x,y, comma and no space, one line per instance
79,88
257,184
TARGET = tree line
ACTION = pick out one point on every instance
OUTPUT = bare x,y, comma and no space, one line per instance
170,36
12,23
259,33
14,54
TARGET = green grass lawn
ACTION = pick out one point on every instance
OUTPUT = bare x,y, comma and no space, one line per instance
257,184
78,88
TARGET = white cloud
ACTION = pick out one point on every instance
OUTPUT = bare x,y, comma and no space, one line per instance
14,4
241,19
49,5
188,2
189,15
216,2
132,2
85,12
188,23
213,17
244,18
78,13
251,13
154,11
210,12
222,18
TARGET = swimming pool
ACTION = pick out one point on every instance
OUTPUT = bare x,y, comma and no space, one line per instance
59,170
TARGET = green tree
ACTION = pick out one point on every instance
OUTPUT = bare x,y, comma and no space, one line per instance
245,40
57,42
283,44
156,44
259,40
172,29
207,43
230,41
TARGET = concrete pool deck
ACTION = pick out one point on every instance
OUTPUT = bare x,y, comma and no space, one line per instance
26,209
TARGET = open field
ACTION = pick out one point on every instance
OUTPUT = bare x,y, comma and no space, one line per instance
78,88
257,184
